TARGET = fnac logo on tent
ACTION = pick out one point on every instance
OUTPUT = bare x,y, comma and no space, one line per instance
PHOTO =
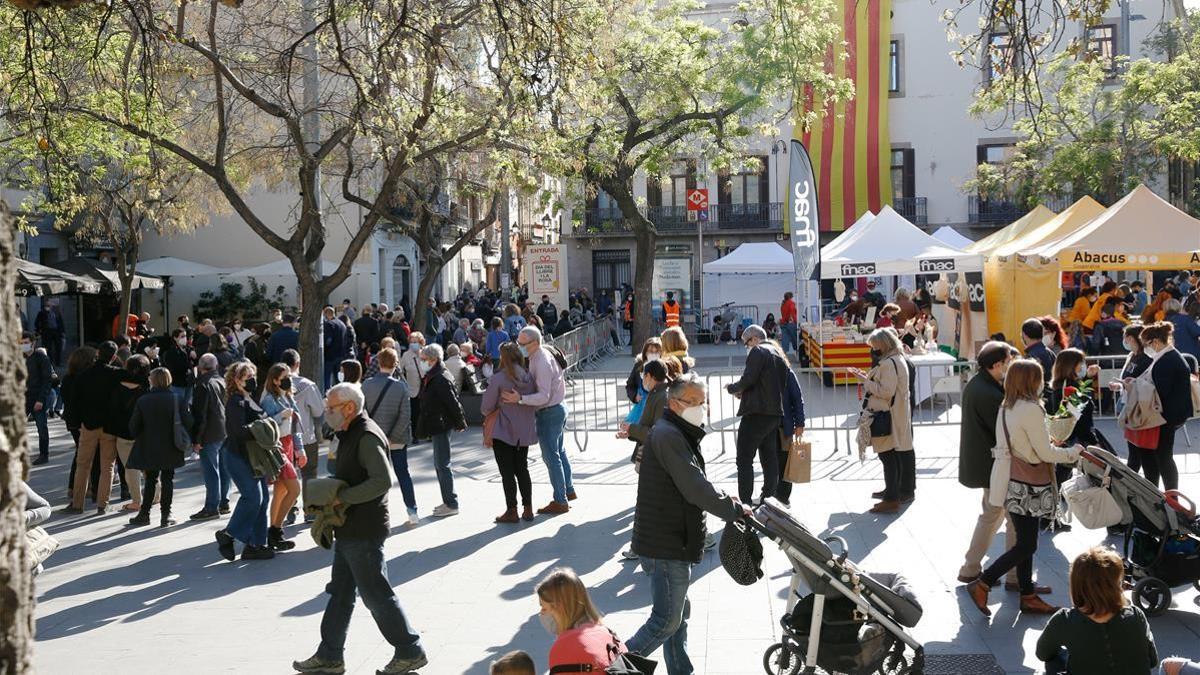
937,265
858,270
1102,258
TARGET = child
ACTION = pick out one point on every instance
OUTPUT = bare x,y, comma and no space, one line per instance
513,663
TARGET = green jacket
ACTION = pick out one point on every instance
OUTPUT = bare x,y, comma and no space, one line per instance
263,450
981,400
319,493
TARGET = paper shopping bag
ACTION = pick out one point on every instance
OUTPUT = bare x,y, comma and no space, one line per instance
799,462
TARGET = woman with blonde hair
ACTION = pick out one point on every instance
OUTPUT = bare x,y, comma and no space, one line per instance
887,389
279,404
567,612
1102,634
675,343
1031,492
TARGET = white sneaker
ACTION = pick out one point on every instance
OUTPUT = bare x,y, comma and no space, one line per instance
413,519
441,511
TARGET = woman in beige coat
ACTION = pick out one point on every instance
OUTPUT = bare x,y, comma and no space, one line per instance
1029,493
886,386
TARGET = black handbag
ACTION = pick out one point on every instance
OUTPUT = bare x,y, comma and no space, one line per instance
881,421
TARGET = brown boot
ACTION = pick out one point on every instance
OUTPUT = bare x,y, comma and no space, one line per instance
527,514
509,516
886,506
554,508
978,590
1033,604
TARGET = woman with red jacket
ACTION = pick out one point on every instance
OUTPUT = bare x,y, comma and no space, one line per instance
581,638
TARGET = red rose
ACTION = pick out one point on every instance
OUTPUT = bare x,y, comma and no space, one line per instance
1070,391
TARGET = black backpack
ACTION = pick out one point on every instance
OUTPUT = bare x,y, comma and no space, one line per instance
622,664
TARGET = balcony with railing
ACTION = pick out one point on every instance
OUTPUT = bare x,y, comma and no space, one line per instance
678,220
1003,210
914,209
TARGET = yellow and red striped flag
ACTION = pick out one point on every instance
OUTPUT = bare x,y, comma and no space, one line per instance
849,143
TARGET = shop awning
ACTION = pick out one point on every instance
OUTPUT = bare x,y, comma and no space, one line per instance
37,280
105,275
888,244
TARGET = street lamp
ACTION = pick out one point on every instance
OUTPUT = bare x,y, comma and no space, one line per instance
546,220
780,146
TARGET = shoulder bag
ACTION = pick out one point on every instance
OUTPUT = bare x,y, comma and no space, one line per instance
621,664
1031,490
1092,505
881,420
1143,408
183,442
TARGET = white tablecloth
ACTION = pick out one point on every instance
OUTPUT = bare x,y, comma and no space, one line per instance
930,367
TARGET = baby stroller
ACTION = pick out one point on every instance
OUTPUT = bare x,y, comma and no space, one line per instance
850,622
1162,533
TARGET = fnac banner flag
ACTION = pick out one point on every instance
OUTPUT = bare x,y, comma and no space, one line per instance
803,222
849,142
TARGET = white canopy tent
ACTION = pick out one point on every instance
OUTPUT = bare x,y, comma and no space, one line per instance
952,237
278,268
754,273
890,245
168,266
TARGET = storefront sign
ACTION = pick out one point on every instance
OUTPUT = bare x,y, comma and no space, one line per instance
858,270
672,274
1084,259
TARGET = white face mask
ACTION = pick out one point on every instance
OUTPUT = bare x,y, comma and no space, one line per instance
182,342
424,367
1129,345
653,356
152,352
1081,372
548,623
695,415
1048,340
26,347
1152,352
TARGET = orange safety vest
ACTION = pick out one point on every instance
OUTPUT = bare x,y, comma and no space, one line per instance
671,314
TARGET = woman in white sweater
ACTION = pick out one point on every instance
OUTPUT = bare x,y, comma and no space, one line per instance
1028,468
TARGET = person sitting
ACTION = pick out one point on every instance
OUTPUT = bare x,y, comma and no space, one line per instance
1102,634
580,636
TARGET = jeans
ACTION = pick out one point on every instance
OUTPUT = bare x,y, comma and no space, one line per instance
790,337
216,474
513,462
757,434
151,485
39,419
551,421
248,523
669,612
441,464
1019,556
331,370
359,565
400,467
184,394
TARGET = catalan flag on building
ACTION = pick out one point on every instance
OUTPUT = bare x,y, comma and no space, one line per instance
849,144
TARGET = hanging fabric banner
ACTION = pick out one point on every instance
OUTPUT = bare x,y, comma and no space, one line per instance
803,223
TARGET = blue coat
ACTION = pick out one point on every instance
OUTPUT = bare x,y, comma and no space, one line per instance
793,404
281,341
1186,334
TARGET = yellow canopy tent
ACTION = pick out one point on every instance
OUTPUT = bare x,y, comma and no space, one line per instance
1140,232
1040,214
997,280
1027,288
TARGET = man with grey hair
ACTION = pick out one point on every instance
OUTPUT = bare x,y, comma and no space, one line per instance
669,519
551,416
208,437
760,390
441,412
359,564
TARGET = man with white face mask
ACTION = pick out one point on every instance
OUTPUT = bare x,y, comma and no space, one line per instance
669,519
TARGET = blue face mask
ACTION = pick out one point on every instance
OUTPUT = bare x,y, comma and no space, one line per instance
524,350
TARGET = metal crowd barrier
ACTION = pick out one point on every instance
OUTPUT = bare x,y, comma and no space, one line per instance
598,403
585,345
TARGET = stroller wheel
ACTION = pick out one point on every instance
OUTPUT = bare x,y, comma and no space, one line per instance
780,660
1152,596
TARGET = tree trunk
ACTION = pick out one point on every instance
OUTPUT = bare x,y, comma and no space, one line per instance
433,267
312,299
16,582
646,238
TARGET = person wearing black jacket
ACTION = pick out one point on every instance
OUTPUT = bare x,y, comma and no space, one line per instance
669,519
154,450
1031,333
981,400
208,437
547,312
440,413
761,390
96,387
178,358
366,328
333,333
78,363
134,383
1172,380
563,326
248,524
39,372
651,351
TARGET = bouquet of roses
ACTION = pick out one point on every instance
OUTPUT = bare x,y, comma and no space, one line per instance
1062,422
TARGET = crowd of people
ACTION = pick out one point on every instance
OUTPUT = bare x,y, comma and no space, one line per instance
138,405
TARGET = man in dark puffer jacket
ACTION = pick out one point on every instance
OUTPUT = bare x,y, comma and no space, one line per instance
668,525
